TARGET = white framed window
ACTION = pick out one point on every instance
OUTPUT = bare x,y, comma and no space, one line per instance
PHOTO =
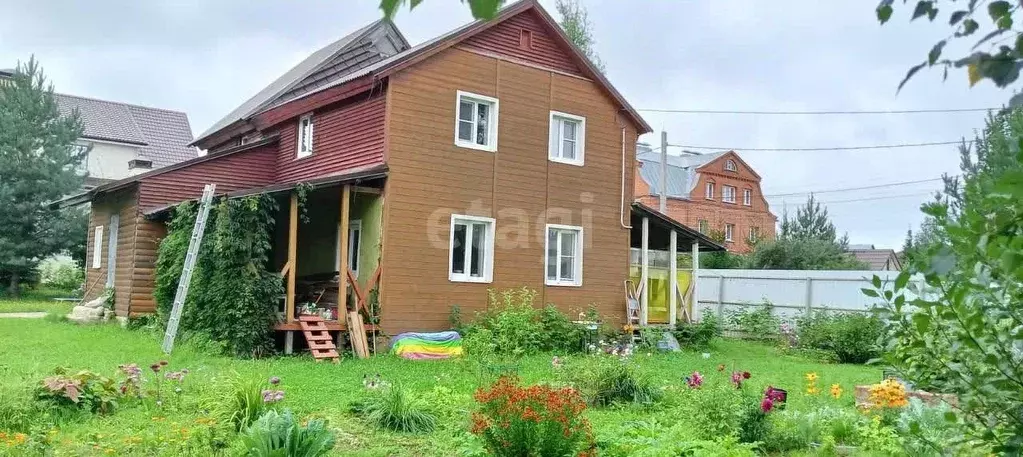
354,246
710,191
472,249
702,225
747,197
728,194
568,138
564,260
730,165
97,246
305,136
476,121
729,231
754,233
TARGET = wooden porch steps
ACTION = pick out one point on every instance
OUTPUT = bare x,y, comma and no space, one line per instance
321,345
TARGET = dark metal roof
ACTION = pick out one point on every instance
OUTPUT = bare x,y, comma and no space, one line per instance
162,135
661,225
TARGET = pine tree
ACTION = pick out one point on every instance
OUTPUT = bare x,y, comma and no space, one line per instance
37,165
576,23
811,223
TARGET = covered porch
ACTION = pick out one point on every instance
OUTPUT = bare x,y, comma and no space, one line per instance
662,290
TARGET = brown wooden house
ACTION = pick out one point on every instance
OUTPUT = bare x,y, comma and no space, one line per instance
494,156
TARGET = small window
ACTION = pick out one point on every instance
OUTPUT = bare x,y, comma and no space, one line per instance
305,136
754,233
354,246
703,226
710,191
747,197
564,261
729,230
97,246
728,194
568,138
472,249
476,122
526,39
730,165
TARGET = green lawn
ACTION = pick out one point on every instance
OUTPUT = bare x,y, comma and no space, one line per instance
29,351
37,300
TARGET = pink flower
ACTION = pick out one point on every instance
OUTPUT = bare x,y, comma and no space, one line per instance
766,405
274,380
695,380
737,379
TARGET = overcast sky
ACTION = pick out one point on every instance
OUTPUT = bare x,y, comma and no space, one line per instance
205,57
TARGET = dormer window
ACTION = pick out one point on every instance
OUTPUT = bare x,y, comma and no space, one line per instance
305,136
730,165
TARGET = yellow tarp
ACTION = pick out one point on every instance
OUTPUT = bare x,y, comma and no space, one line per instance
657,286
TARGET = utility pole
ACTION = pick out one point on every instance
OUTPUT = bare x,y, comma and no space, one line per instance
664,173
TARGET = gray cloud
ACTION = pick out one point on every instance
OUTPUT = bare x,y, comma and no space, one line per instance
206,57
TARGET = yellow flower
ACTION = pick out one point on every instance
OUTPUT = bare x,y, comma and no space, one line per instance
811,377
812,390
836,391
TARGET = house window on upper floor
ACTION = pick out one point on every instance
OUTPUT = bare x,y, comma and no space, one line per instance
728,194
476,122
702,225
568,138
710,191
730,165
82,151
564,261
747,197
97,246
729,231
526,39
305,136
472,249
754,234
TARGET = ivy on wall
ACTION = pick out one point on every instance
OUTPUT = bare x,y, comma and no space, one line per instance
232,298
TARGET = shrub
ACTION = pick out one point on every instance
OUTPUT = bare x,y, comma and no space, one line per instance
712,410
853,337
607,379
279,434
516,327
83,390
63,276
541,421
698,335
397,411
756,321
652,438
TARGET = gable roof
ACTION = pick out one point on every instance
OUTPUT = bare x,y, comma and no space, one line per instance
878,259
681,174
359,49
162,135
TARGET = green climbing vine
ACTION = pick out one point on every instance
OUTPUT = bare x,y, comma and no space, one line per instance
302,190
232,298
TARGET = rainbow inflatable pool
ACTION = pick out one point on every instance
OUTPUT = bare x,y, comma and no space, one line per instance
421,346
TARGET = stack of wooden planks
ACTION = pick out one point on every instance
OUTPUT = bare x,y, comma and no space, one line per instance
321,345
357,333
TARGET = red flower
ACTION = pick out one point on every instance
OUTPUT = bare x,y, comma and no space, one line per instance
746,375
766,405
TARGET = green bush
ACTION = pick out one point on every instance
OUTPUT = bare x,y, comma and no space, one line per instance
853,337
84,390
517,327
63,276
280,435
698,335
756,321
603,380
655,438
713,410
247,401
396,410
753,422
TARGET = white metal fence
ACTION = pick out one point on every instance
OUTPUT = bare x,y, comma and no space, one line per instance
793,293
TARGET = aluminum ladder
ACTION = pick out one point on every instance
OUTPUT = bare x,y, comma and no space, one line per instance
186,271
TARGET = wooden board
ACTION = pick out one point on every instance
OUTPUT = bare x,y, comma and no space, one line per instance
357,333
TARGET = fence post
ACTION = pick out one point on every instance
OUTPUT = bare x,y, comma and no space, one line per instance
809,296
721,297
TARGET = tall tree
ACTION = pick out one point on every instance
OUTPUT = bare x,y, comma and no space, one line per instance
576,23
811,223
37,165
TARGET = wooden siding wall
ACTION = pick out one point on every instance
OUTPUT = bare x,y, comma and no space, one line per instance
148,235
344,137
123,203
430,178
238,171
503,39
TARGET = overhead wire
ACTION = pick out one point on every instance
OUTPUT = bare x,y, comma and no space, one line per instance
829,148
815,113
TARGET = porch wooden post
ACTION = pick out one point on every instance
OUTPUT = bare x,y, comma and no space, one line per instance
694,304
673,279
342,227
644,298
292,254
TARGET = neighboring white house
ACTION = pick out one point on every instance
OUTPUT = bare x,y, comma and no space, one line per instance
122,140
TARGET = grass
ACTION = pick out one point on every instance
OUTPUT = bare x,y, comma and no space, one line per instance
31,349
37,300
